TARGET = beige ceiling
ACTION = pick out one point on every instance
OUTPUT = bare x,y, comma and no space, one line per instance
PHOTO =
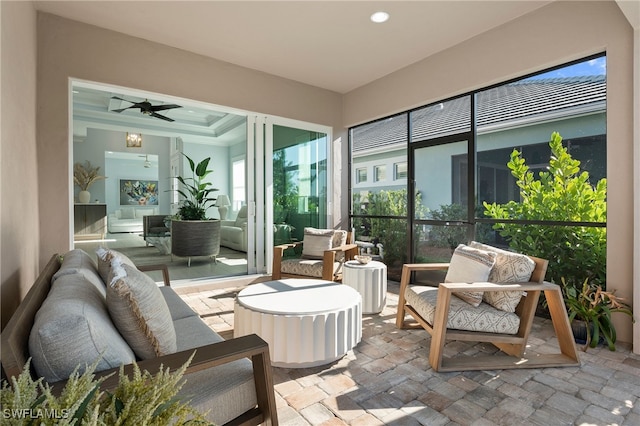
329,44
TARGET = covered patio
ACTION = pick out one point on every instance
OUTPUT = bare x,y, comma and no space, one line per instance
386,379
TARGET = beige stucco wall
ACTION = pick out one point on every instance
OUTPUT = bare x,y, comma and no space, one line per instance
552,35
69,49
19,203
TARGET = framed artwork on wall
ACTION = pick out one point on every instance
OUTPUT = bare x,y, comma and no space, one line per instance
138,192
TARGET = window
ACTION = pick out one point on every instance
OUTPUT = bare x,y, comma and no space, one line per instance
379,173
459,150
400,171
238,190
361,175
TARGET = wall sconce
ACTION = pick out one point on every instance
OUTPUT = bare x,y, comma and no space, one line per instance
222,202
134,140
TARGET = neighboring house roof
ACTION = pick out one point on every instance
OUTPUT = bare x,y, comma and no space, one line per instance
506,106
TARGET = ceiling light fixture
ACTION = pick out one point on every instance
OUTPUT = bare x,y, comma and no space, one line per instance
134,140
380,17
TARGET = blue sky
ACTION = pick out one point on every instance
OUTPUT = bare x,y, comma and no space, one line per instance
596,66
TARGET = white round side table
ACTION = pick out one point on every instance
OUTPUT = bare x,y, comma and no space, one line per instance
307,322
370,280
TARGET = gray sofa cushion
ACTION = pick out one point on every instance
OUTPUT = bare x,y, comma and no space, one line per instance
73,327
77,261
225,391
178,308
139,311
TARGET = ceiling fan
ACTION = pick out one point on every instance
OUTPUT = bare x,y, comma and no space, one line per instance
147,109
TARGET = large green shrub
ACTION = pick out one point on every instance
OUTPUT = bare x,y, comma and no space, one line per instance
562,193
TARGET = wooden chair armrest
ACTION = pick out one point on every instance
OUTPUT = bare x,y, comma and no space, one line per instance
425,266
288,245
486,286
344,248
163,268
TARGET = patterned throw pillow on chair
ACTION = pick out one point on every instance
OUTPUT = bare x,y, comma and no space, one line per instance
509,268
469,265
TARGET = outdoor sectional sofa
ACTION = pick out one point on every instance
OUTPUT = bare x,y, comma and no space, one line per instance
64,321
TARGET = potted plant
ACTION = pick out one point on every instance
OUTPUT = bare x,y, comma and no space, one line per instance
84,176
193,234
591,307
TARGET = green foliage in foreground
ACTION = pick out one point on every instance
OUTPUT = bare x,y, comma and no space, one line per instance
143,399
562,193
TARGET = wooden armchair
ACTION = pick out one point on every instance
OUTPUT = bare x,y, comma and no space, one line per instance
434,309
319,262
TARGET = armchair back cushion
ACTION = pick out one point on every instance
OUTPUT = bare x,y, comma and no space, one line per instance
469,265
241,219
509,268
316,241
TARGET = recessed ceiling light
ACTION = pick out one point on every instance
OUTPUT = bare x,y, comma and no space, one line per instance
379,17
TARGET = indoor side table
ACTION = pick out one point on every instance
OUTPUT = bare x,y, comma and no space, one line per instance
370,280
307,322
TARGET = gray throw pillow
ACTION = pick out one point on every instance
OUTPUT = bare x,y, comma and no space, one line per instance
105,256
139,311
315,242
469,265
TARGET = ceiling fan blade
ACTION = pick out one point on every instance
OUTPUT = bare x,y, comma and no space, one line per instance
153,114
120,99
163,107
122,109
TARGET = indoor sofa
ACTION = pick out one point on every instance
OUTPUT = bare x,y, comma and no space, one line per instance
233,233
67,319
128,219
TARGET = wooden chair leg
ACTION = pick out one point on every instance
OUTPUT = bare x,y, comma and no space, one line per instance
561,324
404,282
439,335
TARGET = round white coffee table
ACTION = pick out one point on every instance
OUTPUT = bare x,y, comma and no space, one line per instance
306,322
370,280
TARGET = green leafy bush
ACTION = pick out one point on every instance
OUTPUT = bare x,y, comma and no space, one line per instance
562,193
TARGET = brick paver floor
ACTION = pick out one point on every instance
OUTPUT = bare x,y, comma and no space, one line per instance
386,379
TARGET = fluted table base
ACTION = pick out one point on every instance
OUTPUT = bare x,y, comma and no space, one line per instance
370,280
306,322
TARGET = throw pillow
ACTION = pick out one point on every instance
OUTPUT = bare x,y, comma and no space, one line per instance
469,265
72,328
127,213
105,256
139,311
509,268
315,242
339,238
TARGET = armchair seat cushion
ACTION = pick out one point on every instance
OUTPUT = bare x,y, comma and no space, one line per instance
307,267
462,316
